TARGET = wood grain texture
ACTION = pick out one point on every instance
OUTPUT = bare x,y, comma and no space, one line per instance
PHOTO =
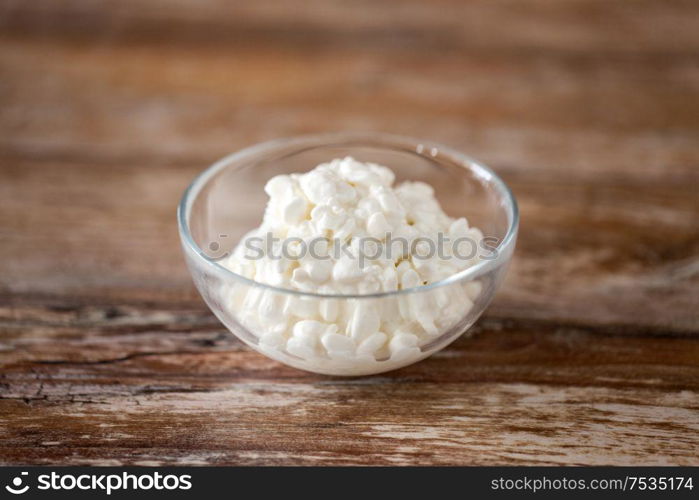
588,109
152,386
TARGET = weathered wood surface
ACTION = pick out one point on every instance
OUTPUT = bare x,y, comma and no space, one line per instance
589,110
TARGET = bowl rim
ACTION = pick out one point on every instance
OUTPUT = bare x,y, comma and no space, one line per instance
427,149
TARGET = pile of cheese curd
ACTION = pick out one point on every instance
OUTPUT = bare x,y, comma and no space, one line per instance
344,229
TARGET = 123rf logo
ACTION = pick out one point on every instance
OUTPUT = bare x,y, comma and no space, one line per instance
106,483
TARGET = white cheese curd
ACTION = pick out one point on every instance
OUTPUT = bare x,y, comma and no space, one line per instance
348,213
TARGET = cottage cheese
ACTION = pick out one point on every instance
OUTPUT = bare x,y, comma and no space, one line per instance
351,206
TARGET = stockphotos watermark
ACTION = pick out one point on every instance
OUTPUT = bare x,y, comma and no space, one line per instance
364,248
105,483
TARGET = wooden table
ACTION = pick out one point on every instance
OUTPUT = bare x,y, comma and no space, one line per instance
588,109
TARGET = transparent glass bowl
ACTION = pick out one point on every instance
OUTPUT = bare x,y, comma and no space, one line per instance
228,200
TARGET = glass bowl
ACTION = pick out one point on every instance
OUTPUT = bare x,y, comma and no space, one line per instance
228,200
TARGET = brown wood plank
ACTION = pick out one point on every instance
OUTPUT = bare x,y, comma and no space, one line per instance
610,253
641,26
133,385
158,100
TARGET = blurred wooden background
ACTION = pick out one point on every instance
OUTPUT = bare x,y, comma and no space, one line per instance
589,109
